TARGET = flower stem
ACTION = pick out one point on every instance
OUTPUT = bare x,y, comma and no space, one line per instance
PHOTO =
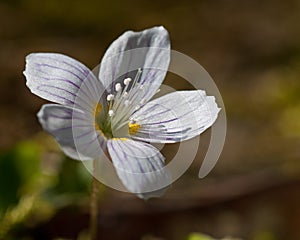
94,205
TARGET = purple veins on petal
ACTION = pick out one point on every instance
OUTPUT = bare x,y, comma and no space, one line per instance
77,67
58,96
66,70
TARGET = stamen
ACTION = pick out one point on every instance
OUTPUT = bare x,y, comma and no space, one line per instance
111,113
137,76
118,87
124,101
110,97
133,128
127,81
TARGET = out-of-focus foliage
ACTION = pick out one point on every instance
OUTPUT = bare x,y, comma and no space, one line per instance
199,236
35,181
264,235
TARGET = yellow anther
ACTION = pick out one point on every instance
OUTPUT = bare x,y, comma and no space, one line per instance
98,109
97,126
133,128
122,139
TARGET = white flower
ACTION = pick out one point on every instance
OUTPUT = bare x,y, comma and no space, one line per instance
113,112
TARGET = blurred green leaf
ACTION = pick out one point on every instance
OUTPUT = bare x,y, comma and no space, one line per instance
199,236
20,187
264,235
17,167
73,178
28,157
10,180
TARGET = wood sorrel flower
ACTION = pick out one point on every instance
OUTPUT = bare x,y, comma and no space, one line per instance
113,112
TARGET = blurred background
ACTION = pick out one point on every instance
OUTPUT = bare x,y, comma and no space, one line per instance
252,51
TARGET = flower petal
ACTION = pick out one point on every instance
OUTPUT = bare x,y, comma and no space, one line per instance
140,166
175,117
74,130
59,78
148,50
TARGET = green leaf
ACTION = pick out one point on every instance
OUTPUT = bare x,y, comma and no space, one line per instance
199,236
10,180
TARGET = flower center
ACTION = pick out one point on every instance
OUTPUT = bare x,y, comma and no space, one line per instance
114,120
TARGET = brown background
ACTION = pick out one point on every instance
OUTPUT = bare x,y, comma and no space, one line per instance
252,51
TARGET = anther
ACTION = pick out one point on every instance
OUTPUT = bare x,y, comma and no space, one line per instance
111,113
118,87
127,81
110,97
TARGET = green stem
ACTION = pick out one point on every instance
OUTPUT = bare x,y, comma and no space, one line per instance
94,205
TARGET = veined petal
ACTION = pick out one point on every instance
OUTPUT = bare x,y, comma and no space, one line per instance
140,167
74,130
148,50
175,117
61,79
